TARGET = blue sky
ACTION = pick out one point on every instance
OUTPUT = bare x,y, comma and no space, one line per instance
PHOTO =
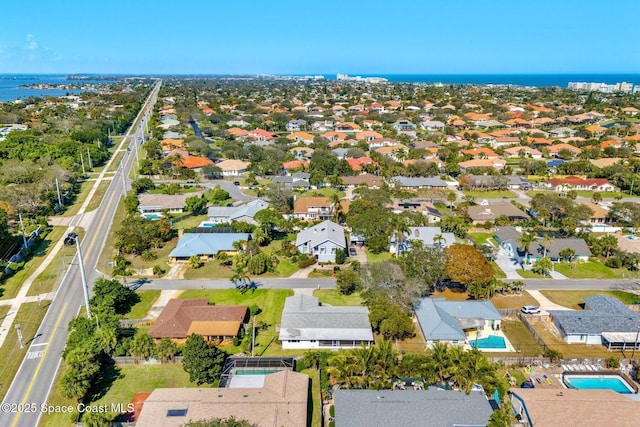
322,36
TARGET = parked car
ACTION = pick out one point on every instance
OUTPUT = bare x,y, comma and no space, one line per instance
236,182
530,309
352,252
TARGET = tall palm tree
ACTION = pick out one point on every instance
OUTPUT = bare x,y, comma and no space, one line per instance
525,243
438,240
337,213
440,360
400,228
547,241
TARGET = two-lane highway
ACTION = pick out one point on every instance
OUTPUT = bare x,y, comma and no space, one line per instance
23,403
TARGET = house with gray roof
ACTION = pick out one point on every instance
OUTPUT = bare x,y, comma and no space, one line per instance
507,237
156,203
428,236
322,241
295,181
205,245
538,250
490,211
604,320
449,321
306,324
433,407
242,213
407,183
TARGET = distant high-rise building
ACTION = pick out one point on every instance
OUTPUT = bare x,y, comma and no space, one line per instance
623,87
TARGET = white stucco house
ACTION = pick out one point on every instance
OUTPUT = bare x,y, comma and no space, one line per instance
322,241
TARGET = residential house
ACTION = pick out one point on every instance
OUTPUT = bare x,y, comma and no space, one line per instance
404,126
368,135
156,203
481,153
295,125
508,238
491,211
302,153
416,205
600,215
240,213
303,137
293,165
382,142
428,236
494,182
215,323
306,324
562,132
297,181
538,250
434,407
406,183
277,399
233,167
367,179
396,152
260,135
323,125
450,321
335,136
356,163
206,245
497,164
195,163
552,407
348,127
432,125
322,241
238,133
311,208
604,321
562,185
504,141
522,151
237,123
555,150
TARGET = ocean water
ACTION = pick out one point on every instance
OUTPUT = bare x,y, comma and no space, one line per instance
536,80
10,85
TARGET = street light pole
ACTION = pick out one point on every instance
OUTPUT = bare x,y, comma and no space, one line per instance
85,287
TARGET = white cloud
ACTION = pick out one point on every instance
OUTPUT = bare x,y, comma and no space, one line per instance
32,43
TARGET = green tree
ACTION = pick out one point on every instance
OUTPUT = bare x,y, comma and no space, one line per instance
195,204
567,254
347,282
370,218
608,244
596,197
131,202
81,373
426,264
451,198
341,256
543,266
112,294
201,360
142,346
166,349
455,225
195,261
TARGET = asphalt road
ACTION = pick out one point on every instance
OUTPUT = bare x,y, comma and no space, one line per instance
286,283
22,405
234,190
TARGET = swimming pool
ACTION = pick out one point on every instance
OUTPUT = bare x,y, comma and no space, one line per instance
492,341
591,382
152,216
255,371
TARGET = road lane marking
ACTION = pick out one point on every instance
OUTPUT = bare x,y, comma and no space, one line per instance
35,374
42,343
35,354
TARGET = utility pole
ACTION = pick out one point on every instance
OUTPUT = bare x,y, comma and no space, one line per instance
58,188
84,173
24,238
83,276
89,156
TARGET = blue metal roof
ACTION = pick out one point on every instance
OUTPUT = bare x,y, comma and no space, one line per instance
206,243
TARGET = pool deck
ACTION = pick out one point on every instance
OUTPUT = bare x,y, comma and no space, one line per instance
484,334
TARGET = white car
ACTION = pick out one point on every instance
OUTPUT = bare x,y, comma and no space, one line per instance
530,309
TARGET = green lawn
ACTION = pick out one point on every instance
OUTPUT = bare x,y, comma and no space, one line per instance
573,299
162,254
52,275
326,192
586,270
583,193
285,268
125,382
192,221
80,197
481,238
333,297
528,274
9,289
550,336
270,301
98,195
140,310
210,270
492,194
375,258
520,338
106,256
498,271
29,317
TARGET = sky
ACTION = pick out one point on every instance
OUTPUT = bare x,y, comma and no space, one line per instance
319,37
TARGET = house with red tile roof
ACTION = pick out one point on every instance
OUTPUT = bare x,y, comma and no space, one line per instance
195,163
577,183
260,135
368,135
334,136
237,132
557,148
396,152
521,150
348,127
480,153
294,165
357,163
312,208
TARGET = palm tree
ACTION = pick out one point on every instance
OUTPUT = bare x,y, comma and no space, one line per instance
596,197
400,228
525,243
438,240
440,361
547,241
451,198
337,213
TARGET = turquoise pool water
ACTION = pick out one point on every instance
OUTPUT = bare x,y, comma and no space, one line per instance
152,216
614,383
492,341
